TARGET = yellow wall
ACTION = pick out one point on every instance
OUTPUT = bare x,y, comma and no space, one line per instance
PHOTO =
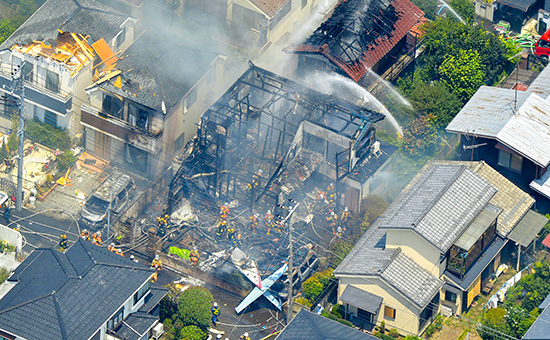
417,248
474,291
406,316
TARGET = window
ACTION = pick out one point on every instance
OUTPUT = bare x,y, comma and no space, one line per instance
119,316
112,106
50,118
450,296
178,143
304,3
138,117
191,98
509,160
121,38
389,312
28,72
141,292
52,81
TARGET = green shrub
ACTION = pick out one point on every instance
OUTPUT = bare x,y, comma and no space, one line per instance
302,300
47,135
13,141
383,336
312,288
192,333
394,333
335,318
412,337
65,161
338,310
194,307
4,273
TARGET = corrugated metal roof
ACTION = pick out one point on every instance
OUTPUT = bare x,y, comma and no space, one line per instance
487,112
528,131
542,185
478,227
541,85
362,299
527,229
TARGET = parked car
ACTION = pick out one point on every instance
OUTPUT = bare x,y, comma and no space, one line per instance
114,193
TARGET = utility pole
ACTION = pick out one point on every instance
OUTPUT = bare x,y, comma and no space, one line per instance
109,218
290,257
19,84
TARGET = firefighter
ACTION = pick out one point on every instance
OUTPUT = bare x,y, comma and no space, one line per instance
63,243
339,232
231,234
331,193
254,222
332,220
222,226
215,313
245,337
321,196
344,218
96,238
157,266
194,256
85,235
238,240
268,221
224,211
111,247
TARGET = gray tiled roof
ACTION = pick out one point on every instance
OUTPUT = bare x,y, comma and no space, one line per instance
440,203
135,326
161,67
90,18
310,326
362,299
411,279
540,329
75,292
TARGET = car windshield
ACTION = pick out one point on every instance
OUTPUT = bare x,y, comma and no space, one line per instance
96,205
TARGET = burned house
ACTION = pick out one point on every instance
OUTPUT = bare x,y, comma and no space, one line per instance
146,105
58,45
361,35
267,135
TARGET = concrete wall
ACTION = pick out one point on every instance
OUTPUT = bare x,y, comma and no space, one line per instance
406,319
420,250
13,237
484,9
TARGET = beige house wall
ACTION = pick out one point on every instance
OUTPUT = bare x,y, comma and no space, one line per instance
416,247
406,319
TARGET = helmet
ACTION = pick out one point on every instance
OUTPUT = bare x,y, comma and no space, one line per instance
112,244
318,305
226,204
245,334
257,215
260,171
99,233
332,213
156,257
194,248
215,304
269,211
346,209
131,257
339,229
219,336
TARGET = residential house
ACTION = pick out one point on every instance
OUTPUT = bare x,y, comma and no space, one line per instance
268,22
141,113
357,38
87,292
58,44
510,130
436,246
309,326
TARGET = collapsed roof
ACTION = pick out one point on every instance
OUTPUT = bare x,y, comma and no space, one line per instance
359,33
85,17
158,69
279,130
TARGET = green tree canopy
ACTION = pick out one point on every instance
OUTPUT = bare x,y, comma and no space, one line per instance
462,74
192,333
420,137
493,320
194,307
464,8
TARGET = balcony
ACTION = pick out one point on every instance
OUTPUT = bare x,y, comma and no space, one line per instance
147,141
60,103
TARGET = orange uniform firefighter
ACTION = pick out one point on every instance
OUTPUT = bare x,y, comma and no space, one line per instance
96,238
85,235
194,256
269,221
222,227
332,220
254,222
331,193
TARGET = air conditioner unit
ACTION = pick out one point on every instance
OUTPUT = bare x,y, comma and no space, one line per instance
158,331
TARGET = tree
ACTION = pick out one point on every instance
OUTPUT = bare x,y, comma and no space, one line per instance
339,249
194,307
464,8
420,137
432,99
6,29
312,288
519,320
65,160
462,74
192,333
493,320
429,7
